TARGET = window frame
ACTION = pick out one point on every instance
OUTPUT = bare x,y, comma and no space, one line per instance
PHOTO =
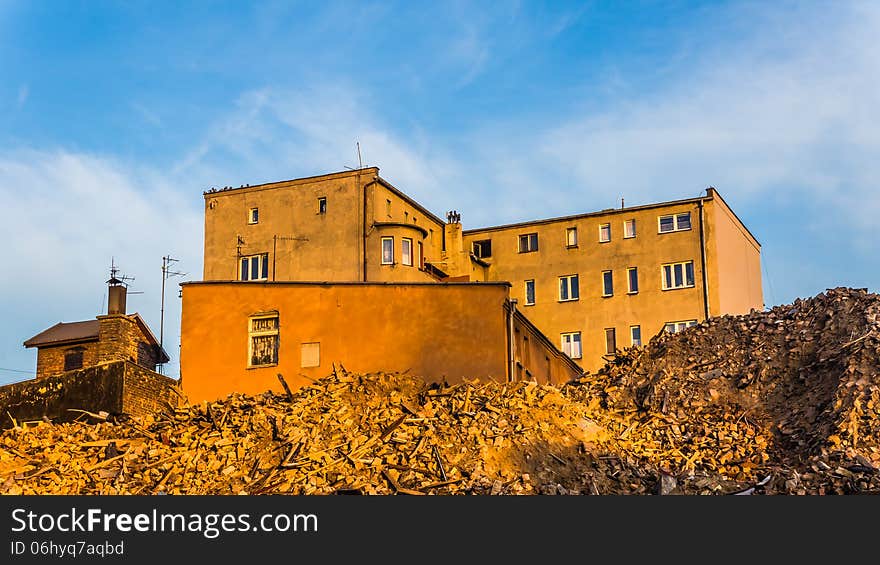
482,245
322,205
631,221
613,333
253,216
252,333
608,226
569,287
77,353
263,266
574,337
403,255
420,249
632,339
687,324
684,278
569,241
675,222
528,239
629,280
526,292
389,238
610,282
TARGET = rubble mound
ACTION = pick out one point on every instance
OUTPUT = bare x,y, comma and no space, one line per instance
782,401
792,394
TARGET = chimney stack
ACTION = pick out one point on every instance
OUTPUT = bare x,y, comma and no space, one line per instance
117,292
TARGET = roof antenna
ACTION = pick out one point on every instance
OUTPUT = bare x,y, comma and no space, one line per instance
167,273
621,201
360,162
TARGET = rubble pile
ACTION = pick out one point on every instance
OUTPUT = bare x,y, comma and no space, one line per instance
785,401
789,398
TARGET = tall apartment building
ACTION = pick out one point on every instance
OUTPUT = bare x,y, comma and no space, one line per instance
583,284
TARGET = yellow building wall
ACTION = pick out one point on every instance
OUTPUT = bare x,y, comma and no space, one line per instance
535,358
440,331
651,308
735,284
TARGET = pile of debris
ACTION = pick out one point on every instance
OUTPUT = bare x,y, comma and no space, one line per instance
786,400
783,401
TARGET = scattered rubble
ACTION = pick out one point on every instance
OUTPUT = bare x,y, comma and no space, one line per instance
785,401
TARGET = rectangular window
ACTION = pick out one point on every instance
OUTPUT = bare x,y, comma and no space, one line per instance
571,344
675,222
528,242
483,248
632,276
73,359
675,327
568,288
263,341
322,205
610,341
530,292
629,229
310,354
571,237
607,283
421,255
387,250
254,268
388,208
635,336
406,251
253,215
604,233
678,275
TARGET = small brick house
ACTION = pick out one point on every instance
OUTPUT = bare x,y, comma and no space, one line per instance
116,336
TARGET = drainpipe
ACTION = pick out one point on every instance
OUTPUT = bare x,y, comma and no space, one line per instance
703,262
511,352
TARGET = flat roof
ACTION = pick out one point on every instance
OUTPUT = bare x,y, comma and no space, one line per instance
351,283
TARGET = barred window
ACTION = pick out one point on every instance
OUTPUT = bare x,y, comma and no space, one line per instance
263,337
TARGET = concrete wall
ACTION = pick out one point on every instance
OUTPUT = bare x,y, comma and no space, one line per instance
436,330
651,308
116,388
537,358
735,285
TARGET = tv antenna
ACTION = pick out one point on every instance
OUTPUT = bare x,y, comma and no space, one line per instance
167,273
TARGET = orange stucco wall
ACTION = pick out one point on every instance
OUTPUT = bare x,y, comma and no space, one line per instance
435,330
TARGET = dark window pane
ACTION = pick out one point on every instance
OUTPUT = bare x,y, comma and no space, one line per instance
265,265
563,289
689,273
667,223
607,284
575,287
684,221
679,280
244,269
633,280
255,268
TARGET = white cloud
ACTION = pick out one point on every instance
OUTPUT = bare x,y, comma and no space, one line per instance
66,215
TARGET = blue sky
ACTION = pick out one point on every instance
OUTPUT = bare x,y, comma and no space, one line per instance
115,116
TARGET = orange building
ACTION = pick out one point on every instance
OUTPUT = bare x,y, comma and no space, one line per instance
584,285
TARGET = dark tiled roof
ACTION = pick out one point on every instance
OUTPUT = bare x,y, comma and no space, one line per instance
64,332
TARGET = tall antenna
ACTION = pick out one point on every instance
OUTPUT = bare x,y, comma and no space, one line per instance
167,273
360,161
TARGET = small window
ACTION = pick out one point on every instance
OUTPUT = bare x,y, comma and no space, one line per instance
678,275
675,327
530,292
263,341
322,205
310,354
388,208
528,242
254,268
405,217
421,255
254,215
610,341
568,288
629,229
387,250
571,237
73,359
607,283
604,233
675,222
571,344
632,276
635,336
483,248
406,256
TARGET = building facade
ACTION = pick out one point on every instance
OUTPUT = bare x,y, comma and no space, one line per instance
584,285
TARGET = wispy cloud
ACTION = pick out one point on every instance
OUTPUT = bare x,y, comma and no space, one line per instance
146,114
23,93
